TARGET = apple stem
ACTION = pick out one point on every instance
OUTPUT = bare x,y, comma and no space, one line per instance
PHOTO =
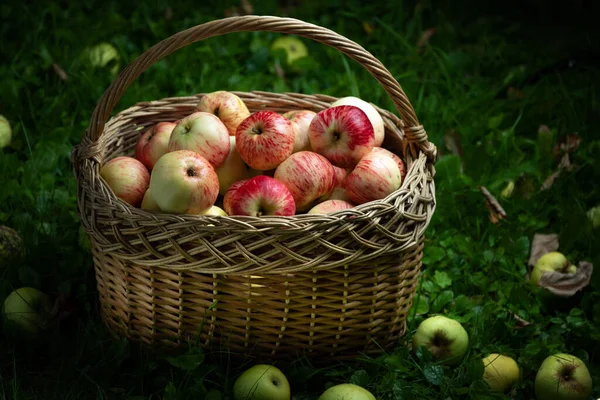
256,131
216,112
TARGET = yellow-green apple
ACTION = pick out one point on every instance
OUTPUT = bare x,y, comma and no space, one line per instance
445,338
346,391
233,169
500,372
308,175
154,143
265,139
215,210
398,160
563,377
104,55
371,112
27,309
228,106
329,206
343,134
262,382
300,120
375,176
553,261
148,202
293,47
5,132
184,182
203,133
127,177
258,196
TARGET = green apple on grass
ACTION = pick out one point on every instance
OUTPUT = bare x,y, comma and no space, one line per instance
445,338
5,132
27,309
553,261
563,377
500,372
347,391
262,382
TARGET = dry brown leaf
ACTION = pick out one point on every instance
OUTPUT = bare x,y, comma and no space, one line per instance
424,38
566,285
514,93
521,323
60,72
566,144
247,7
565,164
496,211
542,244
279,71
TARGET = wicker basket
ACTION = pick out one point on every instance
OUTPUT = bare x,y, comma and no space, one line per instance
323,286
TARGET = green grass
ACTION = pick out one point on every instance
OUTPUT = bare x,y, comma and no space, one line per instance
464,80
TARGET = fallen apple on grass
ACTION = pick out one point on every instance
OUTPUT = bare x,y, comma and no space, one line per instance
444,338
227,106
372,113
104,55
262,382
343,134
184,182
5,132
346,391
308,176
28,310
258,196
501,372
127,177
203,133
265,139
154,143
553,261
293,47
563,377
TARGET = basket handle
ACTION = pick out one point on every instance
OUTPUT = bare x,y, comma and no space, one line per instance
414,132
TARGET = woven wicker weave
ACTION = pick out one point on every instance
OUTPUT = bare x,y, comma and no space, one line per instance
325,286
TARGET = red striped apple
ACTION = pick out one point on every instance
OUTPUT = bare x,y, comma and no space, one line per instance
184,182
258,196
343,134
308,176
233,168
229,196
401,165
375,176
300,120
330,206
154,143
127,177
372,113
203,133
265,139
230,109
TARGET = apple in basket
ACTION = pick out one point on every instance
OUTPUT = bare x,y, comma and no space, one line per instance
258,196
330,206
227,106
203,133
148,202
343,134
127,177
308,176
184,182
375,176
233,168
372,113
154,143
300,120
265,139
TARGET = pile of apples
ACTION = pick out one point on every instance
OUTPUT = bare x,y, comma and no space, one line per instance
223,160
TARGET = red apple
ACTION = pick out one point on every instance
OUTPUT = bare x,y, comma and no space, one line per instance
265,139
375,176
339,193
154,143
300,120
340,175
258,196
330,206
233,169
229,196
401,165
230,109
343,134
372,113
184,182
308,176
127,177
203,133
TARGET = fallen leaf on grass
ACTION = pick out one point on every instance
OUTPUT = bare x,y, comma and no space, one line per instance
496,211
60,72
521,323
247,7
566,144
424,38
565,164
566,285
542,244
